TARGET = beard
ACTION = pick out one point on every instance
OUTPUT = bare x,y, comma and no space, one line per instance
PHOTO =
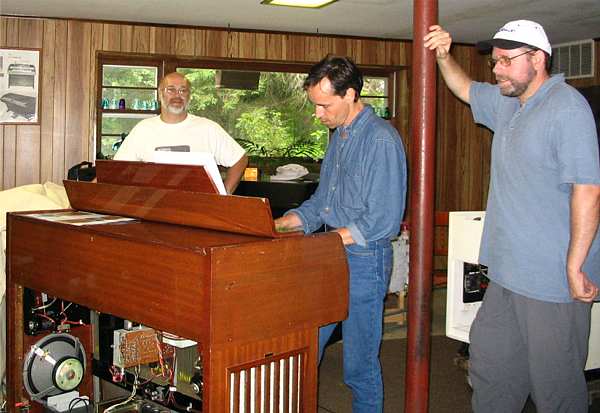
175,110
514,88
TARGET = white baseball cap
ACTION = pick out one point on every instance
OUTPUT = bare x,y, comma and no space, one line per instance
518,33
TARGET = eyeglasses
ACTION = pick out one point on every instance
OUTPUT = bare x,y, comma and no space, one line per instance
172,90
505,60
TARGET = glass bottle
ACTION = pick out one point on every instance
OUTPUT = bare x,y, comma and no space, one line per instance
386,113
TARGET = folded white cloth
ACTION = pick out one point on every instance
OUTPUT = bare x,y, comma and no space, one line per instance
23,198
399,277
289,172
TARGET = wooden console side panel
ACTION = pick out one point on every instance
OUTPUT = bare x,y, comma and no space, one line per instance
274,287
15,345
164,288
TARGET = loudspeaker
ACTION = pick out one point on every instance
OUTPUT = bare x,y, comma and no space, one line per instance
54,365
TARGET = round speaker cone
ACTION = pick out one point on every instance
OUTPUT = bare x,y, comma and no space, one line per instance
68,373
54,365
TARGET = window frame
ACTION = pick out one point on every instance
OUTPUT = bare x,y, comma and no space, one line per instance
170,63
122,60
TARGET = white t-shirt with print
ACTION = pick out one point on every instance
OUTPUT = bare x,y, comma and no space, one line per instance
194,133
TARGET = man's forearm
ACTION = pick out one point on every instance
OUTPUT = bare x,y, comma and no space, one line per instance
234,174
455,77
585,217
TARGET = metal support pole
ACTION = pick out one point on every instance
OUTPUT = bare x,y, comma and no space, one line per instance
423,127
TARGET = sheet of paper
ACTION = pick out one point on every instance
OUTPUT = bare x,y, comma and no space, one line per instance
205,159
80,217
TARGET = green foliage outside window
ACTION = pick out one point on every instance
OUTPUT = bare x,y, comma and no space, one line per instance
374,93
129,76
275,120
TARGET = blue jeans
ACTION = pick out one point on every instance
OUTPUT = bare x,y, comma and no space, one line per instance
370,269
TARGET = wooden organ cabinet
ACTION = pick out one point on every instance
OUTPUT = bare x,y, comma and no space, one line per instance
189,266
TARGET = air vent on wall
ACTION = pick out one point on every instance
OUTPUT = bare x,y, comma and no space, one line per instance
575,59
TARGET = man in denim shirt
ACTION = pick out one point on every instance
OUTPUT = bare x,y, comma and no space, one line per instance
361,196
540,238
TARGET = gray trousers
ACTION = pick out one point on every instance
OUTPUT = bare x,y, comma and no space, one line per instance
521,346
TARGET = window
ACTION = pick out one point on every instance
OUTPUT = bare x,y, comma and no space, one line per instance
263,108
270,117
375,93
128,94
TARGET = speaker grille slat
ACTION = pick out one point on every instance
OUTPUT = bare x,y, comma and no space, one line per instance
272,385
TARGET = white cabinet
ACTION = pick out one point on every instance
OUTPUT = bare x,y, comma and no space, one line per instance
464,237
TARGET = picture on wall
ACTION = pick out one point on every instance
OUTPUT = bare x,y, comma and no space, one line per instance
19,86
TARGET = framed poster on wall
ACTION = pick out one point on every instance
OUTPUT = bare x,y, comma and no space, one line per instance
19,86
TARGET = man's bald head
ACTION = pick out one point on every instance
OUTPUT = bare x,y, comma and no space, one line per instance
170,77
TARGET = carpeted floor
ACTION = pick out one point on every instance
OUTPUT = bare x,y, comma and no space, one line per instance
449,391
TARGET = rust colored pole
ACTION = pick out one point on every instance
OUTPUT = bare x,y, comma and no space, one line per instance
423,125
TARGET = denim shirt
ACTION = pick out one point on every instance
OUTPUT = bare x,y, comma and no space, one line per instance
362,183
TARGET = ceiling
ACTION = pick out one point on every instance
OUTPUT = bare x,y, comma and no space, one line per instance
467,20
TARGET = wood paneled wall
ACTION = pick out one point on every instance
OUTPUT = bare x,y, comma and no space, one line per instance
463,149
65,134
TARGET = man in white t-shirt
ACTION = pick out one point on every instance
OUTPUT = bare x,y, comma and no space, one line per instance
177,130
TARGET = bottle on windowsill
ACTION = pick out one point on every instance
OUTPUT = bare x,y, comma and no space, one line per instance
386,113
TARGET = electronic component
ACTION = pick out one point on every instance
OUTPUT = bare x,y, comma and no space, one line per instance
475,282
138,406
43,314
138,346
53,365
197,384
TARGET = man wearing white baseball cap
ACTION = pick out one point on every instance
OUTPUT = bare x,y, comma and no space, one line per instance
540,240
516,34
